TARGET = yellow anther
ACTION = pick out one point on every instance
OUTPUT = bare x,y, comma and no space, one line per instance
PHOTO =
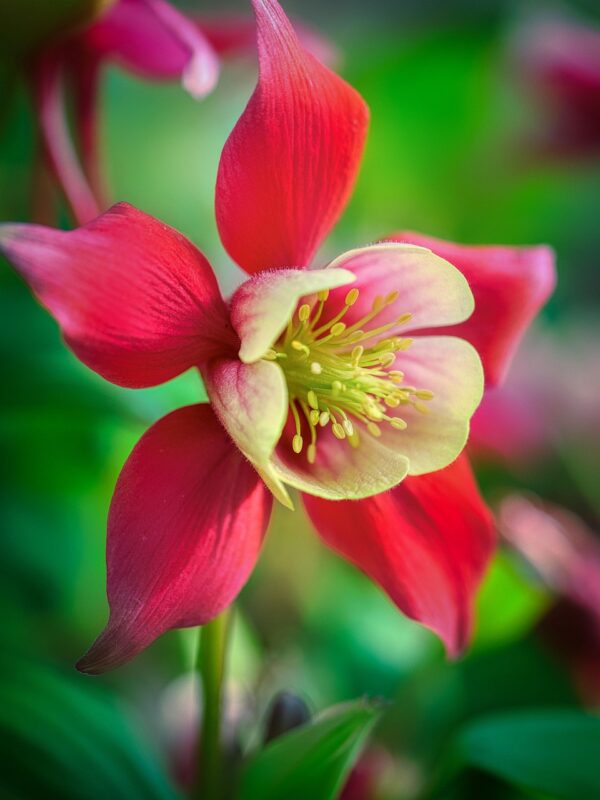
323,419
301,347
316,368
424,394
351,297
353,440
404,344
348,427
378,303
338,431
398,423
312,399
373,429
387,359
336,388
422,408
271,355
356,354
322,296
403,319
392,297
338,329
311,453
374,412
355,337
304,312
297,443
396,375
391,401
314,416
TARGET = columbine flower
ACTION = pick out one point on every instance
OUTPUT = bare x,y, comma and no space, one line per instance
333,381
148,38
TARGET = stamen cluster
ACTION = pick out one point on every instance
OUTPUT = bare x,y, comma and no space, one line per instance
335,379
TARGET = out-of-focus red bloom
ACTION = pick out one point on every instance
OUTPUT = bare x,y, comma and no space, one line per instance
532,412
566,556
149,38
558,63
312,380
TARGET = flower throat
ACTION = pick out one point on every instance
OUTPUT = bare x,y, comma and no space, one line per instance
335,380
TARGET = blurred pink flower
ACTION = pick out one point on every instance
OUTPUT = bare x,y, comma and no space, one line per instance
550,397
558,62
565,554
149,38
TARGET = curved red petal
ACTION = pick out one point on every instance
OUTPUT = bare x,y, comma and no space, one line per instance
154,40
185,528
425,542
136,301
510,285
289,165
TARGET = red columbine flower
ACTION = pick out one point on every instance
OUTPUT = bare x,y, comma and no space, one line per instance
333,381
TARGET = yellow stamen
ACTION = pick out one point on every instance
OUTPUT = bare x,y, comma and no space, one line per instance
339,374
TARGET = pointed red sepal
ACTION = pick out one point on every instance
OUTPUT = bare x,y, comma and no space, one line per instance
289,165
510,285
135,300
185,528
426,543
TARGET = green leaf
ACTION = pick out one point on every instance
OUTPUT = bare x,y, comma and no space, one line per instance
553,751
61,738
312,761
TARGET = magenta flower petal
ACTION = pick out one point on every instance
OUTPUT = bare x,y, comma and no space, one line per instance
510,285
426,543
154,40
279,194
185,528
136,301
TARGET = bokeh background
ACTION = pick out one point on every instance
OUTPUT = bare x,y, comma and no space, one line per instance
454,151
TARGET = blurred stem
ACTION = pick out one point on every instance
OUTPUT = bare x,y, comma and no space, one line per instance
211,667
43,192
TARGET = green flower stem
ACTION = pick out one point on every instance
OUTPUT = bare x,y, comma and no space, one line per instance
211,667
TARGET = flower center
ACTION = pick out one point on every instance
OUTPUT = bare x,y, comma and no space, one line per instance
334,379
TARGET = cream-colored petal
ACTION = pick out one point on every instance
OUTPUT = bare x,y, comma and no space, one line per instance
428,287
263,305
452,370
251,400
340,471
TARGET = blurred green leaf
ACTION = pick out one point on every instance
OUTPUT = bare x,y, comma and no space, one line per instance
554,751
508,604
61,738
312,761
